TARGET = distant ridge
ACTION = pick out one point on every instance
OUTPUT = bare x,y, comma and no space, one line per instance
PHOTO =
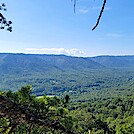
115,61
19,62
58,72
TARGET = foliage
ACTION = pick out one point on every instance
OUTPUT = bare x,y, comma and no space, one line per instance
22,112
101,100
4,23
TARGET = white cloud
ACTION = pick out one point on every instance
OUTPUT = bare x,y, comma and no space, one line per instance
83,11
73,51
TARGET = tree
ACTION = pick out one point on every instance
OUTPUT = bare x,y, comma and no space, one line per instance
31,114
4,23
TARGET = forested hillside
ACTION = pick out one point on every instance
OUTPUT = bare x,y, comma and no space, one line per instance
22,112
66,94
47,72
30,62
115,61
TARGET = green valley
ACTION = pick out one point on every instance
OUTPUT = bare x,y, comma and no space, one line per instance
100,92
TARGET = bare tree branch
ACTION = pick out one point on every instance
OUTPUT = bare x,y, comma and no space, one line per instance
100,15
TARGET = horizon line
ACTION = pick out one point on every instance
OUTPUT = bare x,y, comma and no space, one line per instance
103,55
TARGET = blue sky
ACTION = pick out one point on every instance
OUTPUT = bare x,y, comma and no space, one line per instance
51,27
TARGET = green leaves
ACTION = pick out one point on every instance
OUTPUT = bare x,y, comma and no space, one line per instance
28,111
4,23
25,91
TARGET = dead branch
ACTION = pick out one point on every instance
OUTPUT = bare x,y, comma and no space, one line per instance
100,15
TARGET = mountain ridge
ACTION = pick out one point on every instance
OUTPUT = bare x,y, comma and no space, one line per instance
41,62
63,62
58,72
115,61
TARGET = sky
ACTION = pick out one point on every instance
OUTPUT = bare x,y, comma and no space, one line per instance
52,27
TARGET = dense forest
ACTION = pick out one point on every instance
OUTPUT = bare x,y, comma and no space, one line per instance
94,97
22,112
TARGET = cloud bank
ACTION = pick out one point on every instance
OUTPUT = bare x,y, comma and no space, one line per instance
73,51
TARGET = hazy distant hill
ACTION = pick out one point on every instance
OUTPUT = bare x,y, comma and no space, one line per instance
61,73
18,63
115,61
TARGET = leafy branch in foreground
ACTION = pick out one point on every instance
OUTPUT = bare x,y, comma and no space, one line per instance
21,112
24,112
4,23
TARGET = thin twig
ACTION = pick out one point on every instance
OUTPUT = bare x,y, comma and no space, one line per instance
100,15
74,4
